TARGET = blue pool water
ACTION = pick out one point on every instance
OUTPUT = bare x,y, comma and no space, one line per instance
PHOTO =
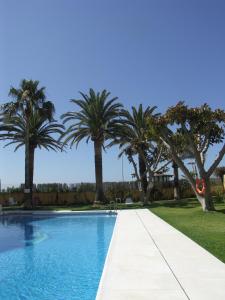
53,257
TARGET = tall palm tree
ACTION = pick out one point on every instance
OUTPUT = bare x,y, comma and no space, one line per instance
134,134
14,129
96,121
27,99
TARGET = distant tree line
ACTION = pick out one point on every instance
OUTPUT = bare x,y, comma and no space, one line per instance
73,187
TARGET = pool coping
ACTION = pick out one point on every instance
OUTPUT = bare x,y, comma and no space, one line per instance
60,212
107,259
149,259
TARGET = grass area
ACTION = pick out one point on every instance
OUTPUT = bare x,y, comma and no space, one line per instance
207,229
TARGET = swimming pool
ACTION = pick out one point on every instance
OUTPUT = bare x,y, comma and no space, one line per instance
52,257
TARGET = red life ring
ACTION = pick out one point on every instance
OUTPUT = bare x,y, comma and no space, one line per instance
200,182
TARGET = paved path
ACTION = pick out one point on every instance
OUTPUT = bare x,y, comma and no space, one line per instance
149,259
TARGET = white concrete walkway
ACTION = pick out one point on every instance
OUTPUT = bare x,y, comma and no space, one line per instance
149,259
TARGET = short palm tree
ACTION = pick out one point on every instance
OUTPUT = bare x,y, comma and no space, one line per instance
134,135
14,129
27,99
96,121
176,184
220,173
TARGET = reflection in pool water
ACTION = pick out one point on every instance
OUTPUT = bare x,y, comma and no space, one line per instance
20,231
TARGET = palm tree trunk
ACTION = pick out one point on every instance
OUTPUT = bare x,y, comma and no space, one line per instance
31,172
149,197
176,182
143,175
99,195
222,178
27,199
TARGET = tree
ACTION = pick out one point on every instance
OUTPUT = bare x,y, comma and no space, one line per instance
220,173
96,121
26,99
197,128
14,129
134,139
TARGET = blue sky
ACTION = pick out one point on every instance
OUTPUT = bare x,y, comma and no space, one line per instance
154,52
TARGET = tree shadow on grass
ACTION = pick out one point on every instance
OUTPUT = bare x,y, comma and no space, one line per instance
220,210
176,204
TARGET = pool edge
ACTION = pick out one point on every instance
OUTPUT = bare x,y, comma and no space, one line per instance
107,259
62,212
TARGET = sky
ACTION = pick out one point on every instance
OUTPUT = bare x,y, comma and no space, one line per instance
154,52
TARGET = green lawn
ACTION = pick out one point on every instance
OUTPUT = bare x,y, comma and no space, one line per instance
207,229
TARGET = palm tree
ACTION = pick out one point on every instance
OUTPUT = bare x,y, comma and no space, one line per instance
27,99
220,173
14,129
176,185
96,121
134,134
184,154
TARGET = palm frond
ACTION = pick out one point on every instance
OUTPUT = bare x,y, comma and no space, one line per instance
41,131
95,119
